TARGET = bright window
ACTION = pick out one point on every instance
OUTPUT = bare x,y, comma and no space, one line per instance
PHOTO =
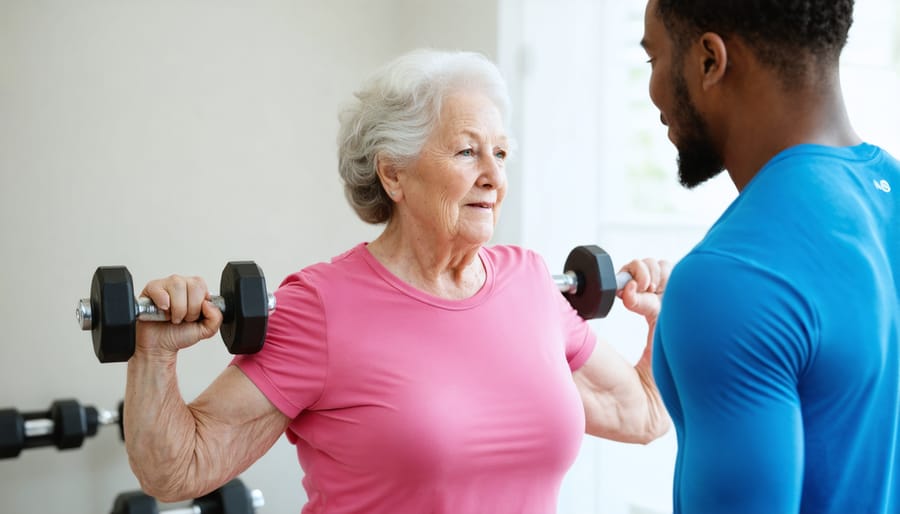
595,166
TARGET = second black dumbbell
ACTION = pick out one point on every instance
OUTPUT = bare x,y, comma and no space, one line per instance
112,310
65,425
590,281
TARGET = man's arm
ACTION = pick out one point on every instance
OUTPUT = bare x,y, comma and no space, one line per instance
732,345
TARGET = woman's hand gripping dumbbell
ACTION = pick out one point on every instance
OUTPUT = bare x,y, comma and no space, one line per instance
590,281
112,310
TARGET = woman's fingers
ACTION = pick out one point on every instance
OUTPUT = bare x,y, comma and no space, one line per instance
180,297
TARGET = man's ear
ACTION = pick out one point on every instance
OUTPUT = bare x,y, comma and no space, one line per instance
713,59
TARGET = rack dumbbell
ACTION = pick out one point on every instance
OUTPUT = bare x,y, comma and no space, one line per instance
112,310
231,498
590,281
65,425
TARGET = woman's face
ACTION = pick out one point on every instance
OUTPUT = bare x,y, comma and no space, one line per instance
456,185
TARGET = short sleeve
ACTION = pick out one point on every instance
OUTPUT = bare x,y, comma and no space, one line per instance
579,338
291,368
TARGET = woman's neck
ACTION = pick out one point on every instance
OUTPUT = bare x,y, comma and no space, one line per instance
439,267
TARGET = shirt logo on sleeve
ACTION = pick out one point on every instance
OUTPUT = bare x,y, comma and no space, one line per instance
882,185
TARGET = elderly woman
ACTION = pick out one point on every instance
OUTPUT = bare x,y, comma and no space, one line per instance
423,372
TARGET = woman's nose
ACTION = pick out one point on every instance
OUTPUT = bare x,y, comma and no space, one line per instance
492,173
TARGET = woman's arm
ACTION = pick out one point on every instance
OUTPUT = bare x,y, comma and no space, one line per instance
621,401
179,451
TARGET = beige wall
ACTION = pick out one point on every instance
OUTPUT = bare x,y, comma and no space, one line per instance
171,137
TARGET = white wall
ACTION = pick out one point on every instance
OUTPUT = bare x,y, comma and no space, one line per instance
171,137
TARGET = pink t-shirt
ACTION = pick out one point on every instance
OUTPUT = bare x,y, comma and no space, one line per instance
403,402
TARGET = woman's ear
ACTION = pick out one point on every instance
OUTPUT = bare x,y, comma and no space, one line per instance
389,175
713,59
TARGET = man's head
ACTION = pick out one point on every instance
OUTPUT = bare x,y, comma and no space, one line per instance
797,42
786,35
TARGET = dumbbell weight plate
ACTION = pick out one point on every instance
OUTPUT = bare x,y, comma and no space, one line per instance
231,498
70,424
243,287
112,301
135,502
12,433
596,281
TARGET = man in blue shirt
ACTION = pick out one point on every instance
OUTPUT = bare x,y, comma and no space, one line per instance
777,350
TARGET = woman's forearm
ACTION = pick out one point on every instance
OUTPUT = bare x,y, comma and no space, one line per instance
160,430
657,421
621,400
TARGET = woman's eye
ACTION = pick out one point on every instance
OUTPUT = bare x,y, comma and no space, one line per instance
468,152
500,154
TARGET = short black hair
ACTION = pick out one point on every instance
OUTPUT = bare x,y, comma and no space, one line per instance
777,30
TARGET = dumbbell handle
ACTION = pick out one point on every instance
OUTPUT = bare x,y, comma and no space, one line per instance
41,427
146,310
256,499
568,281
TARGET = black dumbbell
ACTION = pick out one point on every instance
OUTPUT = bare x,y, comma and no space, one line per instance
65,425
590,281
231,498
112,310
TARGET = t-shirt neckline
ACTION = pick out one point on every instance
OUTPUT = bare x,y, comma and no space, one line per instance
409,290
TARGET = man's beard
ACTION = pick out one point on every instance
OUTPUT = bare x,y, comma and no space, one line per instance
698,160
